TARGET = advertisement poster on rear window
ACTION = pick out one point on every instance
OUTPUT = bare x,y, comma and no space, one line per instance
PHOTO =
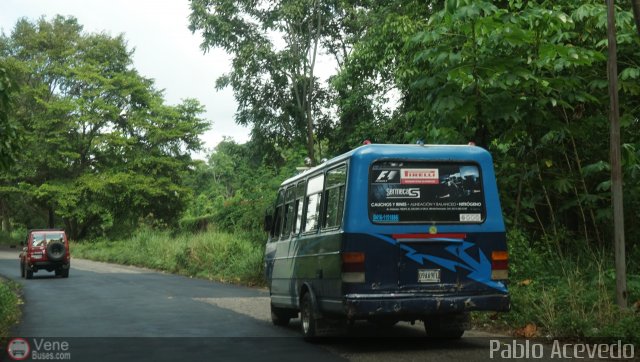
419,192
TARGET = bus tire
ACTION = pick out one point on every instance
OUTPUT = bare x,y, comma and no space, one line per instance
280,316
308,318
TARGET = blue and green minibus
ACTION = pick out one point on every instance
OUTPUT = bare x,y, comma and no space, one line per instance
389,233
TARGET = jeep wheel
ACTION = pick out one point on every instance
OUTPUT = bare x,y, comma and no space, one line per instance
56,251
28,273
65,273
21,270
58,272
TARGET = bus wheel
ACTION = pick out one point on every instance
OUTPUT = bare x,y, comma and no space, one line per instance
307,318
280,316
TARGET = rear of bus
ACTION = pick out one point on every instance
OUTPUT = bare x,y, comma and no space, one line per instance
424,237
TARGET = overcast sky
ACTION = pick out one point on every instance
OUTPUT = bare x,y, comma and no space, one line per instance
165,50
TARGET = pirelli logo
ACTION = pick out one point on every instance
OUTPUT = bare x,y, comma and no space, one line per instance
419,176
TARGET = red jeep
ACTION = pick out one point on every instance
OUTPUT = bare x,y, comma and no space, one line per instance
45,249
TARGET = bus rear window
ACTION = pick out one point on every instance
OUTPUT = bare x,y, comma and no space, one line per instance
425,192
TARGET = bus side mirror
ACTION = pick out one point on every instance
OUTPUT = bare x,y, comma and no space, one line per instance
268,222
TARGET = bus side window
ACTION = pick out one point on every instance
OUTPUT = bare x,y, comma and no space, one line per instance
300,189
288,212
313,202
277,216
336,181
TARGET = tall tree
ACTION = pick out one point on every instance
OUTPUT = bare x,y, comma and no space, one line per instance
275,47
9,136
101,148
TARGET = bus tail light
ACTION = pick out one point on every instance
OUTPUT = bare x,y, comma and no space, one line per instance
499,265
353,267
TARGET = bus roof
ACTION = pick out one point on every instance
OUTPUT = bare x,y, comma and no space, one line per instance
440,152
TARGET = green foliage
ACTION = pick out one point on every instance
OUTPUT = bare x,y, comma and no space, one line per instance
14,237
219,256
240,186
9,306
9,134
101,150
570,296
196,223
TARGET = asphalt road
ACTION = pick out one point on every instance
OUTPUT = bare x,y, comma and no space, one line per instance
112,312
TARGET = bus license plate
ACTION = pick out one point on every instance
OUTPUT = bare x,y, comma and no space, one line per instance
429,275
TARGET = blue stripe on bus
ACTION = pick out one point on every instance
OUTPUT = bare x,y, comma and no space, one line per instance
480,270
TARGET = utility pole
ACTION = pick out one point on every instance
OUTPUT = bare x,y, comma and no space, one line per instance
616,168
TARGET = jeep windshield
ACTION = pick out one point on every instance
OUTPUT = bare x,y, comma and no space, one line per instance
54,237
425,192
39,238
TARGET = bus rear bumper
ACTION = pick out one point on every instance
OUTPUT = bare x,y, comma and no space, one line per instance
412,306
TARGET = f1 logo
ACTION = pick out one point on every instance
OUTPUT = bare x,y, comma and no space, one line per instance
386,176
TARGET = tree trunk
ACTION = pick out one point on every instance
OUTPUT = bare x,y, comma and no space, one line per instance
616,167
309,103
4,215
310,141
51,217
67,228
518,200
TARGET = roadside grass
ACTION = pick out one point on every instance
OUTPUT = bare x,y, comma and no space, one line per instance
226,257
566,296
9,306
